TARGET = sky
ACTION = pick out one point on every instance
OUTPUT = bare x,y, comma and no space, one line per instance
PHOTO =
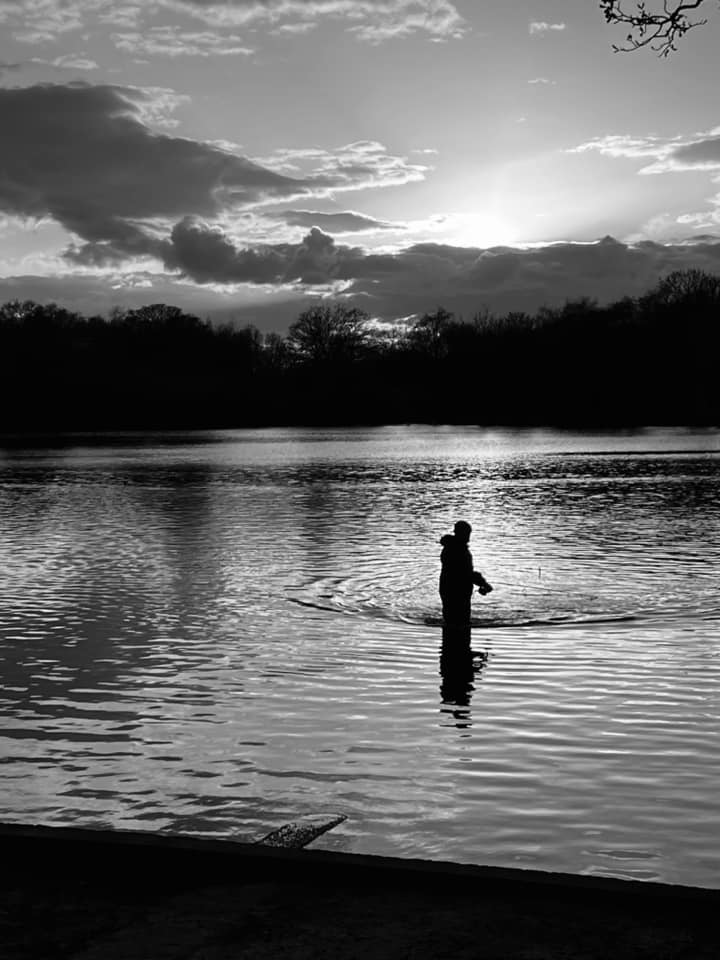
248,158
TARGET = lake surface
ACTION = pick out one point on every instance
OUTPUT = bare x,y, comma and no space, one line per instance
214,633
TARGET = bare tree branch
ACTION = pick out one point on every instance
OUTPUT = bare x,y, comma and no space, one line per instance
659,29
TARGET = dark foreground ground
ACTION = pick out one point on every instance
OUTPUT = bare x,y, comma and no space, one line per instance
60,901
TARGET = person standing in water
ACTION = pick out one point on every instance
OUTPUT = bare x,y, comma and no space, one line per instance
458,577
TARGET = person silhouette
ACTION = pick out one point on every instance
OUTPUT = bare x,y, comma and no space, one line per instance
458,577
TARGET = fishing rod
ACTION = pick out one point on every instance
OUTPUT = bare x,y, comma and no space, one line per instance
528,586
522,586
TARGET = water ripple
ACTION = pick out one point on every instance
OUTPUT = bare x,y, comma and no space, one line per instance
220,633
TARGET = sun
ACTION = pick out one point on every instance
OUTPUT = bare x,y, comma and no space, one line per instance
476,229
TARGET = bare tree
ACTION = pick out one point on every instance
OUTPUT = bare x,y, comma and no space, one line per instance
325,333
657,28
686,288
276,352
428,332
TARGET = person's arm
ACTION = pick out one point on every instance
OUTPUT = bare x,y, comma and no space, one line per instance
481,583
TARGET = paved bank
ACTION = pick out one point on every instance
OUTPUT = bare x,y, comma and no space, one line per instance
88,895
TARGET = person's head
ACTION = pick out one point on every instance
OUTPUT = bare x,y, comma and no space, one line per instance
462,531
447,540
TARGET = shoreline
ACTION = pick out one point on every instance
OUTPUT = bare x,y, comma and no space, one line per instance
41,434
117,894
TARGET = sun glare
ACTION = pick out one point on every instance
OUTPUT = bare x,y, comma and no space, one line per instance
475,230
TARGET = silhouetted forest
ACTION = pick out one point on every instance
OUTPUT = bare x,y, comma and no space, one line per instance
650,360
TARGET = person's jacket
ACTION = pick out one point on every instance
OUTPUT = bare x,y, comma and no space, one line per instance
457,574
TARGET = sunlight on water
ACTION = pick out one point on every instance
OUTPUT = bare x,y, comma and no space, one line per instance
216,633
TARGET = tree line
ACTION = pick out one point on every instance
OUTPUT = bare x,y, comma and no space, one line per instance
646,360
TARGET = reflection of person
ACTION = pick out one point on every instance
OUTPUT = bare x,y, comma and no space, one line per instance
457,576
459,666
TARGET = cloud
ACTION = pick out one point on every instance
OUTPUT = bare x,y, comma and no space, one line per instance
370,20
388,285
362,165
68,61
542,27
366,165
7,67
86,157
116,15
295,29
704,219
440,20
205,254
346,222
42,21
111,173
702,154
509,278
92,295
170,41
155,106
373,21
81,155
462,278
542,81
621,145
670,154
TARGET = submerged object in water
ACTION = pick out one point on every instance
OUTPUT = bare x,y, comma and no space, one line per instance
301,832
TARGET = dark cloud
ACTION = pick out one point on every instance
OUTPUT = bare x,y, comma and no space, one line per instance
464,279
205,254
93,295
345,222
316,260
412,281
6,67
699,153
83,155
506,278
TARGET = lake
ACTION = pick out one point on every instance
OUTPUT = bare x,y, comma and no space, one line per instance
213,633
